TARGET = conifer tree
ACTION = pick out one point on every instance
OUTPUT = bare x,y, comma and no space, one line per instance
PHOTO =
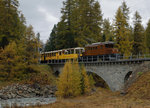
11,23
69,81
31,46
147,33
122,35
139,37
85,82
73,81
89,22
80,23
12,64
51,43
107,30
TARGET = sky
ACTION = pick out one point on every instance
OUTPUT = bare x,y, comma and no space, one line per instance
43,14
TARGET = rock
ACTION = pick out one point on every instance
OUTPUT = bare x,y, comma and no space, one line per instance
27,91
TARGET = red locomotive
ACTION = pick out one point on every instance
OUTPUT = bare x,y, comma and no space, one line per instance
102,50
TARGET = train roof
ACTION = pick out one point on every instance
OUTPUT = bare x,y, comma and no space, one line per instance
61,50
100,43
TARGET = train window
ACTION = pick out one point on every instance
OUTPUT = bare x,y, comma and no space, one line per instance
72,51
66,52
59,53
77,51
101,47
109,45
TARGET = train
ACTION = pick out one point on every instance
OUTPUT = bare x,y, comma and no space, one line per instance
93,52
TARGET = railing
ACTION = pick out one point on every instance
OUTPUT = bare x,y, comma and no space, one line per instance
93,59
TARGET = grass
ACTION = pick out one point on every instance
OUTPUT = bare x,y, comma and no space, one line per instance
101,99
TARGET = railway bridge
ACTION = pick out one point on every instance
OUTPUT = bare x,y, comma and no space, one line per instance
116,73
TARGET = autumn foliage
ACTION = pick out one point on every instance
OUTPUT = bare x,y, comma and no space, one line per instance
73,81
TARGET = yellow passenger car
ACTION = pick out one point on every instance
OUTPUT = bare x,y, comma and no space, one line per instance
64,54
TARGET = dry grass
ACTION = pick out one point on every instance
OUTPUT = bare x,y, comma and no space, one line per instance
101,99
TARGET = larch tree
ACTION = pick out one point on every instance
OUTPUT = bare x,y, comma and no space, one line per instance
69,81
31,46
85,81
12,64
122,31
139,37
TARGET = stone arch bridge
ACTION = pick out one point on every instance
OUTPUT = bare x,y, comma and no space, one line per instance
114,73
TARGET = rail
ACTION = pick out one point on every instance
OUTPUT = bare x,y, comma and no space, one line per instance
95,59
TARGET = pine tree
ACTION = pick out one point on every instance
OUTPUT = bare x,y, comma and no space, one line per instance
65,34
89,22
107,30
147,33
80,23
52,42
139,37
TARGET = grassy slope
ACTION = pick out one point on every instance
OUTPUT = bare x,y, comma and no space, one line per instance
141,88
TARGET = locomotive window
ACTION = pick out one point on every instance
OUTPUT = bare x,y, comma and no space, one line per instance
109,45
101,47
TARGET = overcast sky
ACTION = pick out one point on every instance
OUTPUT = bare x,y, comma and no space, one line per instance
43,14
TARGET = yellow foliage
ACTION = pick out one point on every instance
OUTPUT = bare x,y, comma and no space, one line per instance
73,81
85,81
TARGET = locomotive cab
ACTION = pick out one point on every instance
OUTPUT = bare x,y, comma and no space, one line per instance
101,49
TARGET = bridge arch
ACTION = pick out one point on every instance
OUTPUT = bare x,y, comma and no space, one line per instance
102,76
128,76
99,81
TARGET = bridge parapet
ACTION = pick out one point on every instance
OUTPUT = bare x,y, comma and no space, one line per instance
106,60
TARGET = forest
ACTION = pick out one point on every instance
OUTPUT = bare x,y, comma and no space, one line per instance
82,23
19,46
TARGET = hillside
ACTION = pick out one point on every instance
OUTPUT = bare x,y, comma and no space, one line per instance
141,88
